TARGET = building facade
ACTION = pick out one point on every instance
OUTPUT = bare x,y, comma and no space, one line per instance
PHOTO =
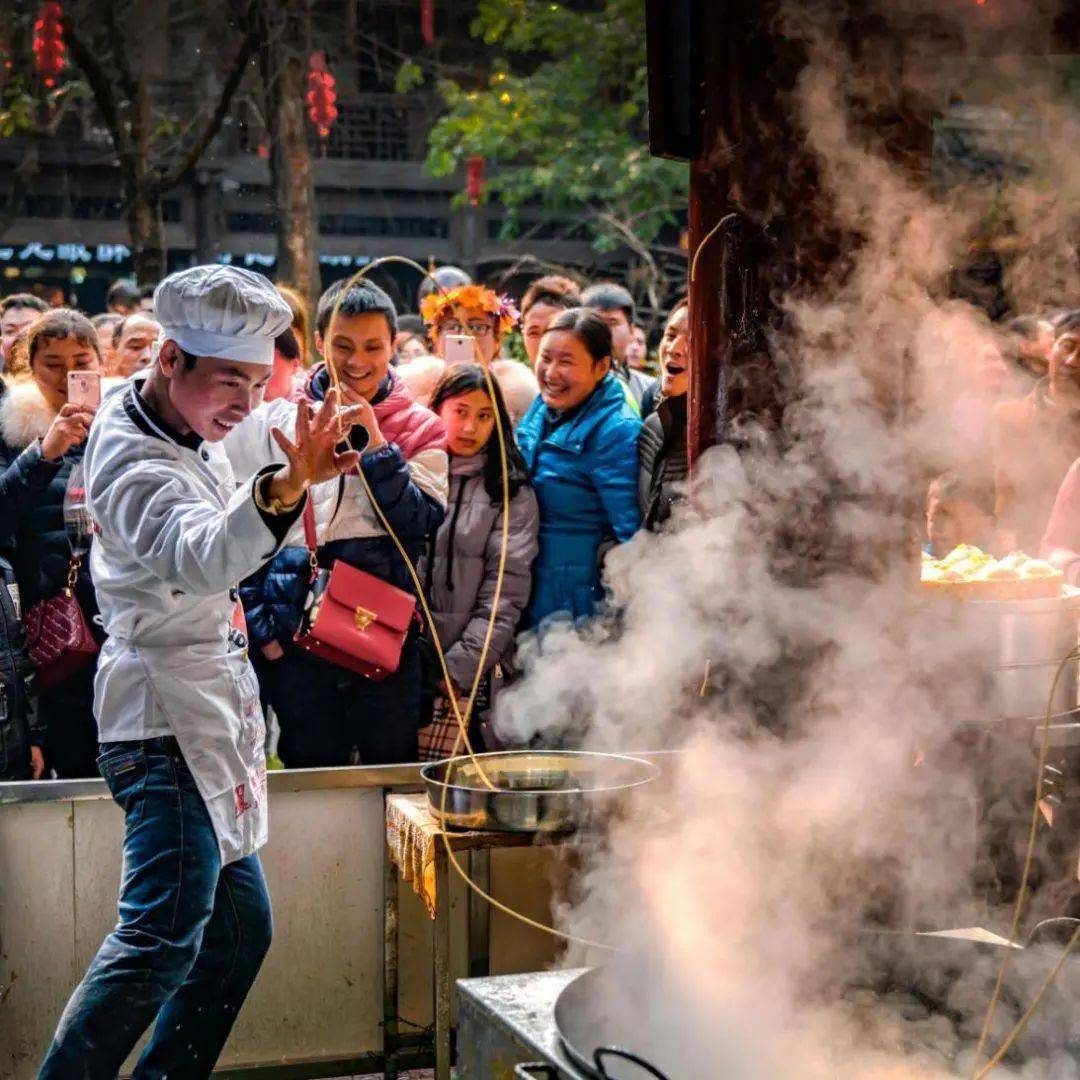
69,234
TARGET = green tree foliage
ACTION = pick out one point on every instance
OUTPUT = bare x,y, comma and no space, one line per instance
561,119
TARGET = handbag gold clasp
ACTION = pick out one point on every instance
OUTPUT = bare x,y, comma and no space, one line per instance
363,618
73,575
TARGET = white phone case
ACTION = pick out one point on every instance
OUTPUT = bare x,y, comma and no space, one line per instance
459,349
84,388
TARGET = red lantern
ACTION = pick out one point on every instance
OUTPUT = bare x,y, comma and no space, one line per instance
474,179
321,95
427,21
6,63
49,45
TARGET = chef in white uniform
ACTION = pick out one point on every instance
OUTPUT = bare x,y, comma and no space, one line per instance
177,703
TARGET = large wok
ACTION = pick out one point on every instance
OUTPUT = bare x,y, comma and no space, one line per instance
621,1043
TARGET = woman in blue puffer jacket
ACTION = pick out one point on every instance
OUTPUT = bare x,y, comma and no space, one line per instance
579,441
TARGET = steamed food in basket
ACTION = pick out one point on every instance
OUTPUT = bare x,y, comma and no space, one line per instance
967,573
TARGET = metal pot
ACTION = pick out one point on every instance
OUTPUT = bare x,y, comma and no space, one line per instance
1021,691
535,791
1016,647
598,1042
1031,631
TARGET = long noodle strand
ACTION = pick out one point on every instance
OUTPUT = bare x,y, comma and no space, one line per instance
704,240
461,719
503,547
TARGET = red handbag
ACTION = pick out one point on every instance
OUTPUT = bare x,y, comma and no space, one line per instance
58,637
352,618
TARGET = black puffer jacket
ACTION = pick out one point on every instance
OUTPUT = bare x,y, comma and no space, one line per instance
662,462
19,725
32,491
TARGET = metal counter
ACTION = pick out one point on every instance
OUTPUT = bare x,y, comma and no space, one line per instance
318,1002
509,1020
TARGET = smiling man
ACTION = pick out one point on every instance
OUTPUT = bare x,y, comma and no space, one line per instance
328,715
176,700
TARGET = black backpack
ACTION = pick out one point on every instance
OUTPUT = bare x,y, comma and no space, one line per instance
18,713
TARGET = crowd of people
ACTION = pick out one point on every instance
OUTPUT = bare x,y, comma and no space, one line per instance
592,449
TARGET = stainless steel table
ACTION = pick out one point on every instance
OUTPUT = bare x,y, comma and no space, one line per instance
509,1020
475,848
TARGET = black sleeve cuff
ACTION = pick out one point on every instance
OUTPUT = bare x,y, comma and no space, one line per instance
37,467
278,524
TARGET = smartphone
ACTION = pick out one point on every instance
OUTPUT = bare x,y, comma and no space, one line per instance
84,388
459,349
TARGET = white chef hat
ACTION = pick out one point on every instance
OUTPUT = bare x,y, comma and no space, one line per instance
225,312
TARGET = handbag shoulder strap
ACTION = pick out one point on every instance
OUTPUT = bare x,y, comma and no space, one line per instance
310,536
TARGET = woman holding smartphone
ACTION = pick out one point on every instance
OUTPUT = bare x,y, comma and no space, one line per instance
43,429
467,325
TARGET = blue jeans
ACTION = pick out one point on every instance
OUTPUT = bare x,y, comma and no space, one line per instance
191,938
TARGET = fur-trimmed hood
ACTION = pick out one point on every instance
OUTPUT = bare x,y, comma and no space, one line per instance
25,415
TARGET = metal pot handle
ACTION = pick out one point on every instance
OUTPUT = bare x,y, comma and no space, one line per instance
604,1051
529,1069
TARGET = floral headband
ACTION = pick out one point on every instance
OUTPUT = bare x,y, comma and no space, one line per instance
440,305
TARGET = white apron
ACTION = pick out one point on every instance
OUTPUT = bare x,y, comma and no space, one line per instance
176,536
208,699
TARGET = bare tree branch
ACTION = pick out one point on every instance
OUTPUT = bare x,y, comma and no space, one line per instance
24,172
518,261
213,125
65,103
374,46
128,83
101,87
654,275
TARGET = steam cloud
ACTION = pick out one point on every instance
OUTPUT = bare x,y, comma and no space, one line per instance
820,786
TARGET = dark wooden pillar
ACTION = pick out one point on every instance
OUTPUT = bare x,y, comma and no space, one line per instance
718,80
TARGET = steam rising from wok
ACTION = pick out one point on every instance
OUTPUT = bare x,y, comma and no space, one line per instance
820,788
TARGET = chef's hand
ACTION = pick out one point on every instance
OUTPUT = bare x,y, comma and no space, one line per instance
37,763
314,456
365,417
272,650
71,426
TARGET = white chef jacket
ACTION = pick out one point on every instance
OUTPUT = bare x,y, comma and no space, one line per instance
176,534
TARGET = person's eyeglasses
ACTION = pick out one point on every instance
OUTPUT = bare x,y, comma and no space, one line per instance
473,329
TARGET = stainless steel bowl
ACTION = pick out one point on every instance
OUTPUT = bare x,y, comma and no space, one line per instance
535,790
